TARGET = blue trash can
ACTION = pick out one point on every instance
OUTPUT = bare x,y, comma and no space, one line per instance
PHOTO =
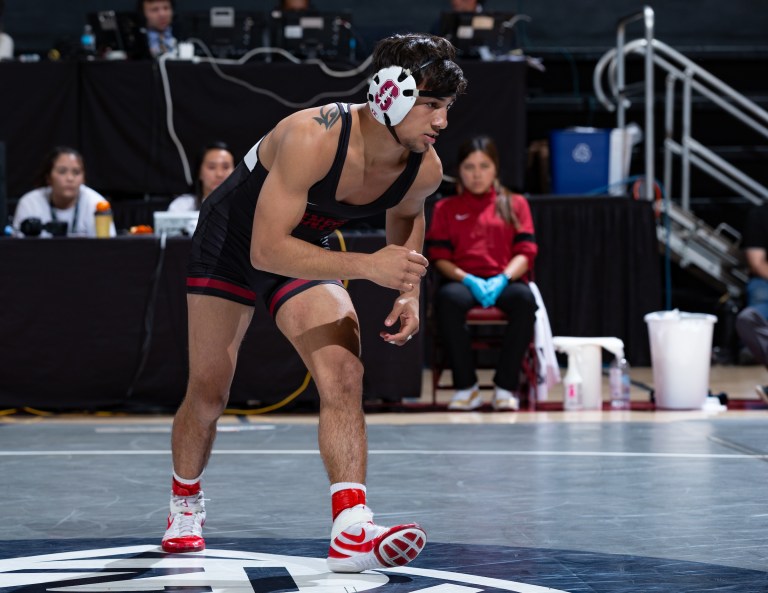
579,160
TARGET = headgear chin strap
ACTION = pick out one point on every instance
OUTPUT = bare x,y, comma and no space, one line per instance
393,92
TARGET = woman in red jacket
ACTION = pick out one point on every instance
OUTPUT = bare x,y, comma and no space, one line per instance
483,245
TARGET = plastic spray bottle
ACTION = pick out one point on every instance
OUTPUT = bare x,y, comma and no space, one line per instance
573,398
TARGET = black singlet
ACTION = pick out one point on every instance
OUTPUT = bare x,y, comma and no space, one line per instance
220,256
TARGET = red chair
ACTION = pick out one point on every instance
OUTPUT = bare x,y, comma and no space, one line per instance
486,327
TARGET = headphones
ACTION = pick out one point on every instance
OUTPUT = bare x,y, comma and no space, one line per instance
392,93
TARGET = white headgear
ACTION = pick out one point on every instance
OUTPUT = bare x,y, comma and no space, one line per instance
393,92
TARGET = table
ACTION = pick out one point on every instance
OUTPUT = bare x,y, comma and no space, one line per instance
97,323
75,314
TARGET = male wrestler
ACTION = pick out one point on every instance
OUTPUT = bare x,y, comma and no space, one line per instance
263,234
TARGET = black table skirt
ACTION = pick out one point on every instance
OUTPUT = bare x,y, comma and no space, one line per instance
100,322
89,323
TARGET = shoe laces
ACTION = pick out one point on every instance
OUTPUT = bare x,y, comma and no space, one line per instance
188,504
188,524
188,514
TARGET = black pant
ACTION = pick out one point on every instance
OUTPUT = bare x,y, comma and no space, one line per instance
752,328
452,302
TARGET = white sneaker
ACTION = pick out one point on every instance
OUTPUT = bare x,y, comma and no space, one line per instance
185,524
358,544
466,399
504,400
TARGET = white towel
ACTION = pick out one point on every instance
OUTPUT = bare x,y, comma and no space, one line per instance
548,370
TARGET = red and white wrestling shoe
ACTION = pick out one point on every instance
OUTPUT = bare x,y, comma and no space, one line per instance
358,544
185,524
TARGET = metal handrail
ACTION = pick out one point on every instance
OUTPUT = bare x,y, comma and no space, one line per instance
693,77
647,17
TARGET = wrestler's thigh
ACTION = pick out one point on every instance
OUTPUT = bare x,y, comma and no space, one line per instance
322,325
216,329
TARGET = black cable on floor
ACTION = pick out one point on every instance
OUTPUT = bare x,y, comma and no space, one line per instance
149,317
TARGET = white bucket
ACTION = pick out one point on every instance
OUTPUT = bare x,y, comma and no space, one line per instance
681,348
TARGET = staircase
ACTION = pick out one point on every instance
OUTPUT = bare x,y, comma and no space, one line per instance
711,253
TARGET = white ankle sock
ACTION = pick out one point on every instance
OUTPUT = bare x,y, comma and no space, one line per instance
185,481
345,486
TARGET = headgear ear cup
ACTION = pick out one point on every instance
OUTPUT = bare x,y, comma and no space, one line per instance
391,95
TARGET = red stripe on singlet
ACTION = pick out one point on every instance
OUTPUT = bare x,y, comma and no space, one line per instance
221,285
291,286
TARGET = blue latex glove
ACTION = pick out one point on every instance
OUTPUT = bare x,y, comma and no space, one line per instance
478,287
495,285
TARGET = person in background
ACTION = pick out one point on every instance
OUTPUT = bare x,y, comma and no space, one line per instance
61,196
456,6
297,5
215,164
482,243
6,42
466,6
752,321
158,28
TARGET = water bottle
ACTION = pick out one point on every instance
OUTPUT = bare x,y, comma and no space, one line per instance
618,380
103,219
88,42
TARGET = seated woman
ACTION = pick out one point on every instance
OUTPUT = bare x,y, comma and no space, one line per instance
215,164
482,243
61,196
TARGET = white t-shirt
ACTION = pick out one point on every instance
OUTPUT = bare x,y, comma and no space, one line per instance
37,204
183,203
6,46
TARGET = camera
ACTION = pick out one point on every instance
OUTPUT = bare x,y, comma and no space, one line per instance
32,227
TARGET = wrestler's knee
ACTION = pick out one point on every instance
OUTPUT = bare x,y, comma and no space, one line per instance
341,382
208,395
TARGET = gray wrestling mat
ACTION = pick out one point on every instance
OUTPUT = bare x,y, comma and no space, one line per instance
543,506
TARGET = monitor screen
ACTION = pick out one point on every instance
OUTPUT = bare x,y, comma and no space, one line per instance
115,31
226,32
313,34
479,35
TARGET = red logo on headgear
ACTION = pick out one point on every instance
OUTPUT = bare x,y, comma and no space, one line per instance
386,95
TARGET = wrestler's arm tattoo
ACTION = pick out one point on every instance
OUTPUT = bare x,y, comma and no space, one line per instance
327,118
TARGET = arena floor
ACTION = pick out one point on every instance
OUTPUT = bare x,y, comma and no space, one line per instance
640,501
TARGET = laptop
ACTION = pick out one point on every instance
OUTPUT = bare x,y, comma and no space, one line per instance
175,224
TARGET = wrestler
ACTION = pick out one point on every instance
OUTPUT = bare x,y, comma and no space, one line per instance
262,236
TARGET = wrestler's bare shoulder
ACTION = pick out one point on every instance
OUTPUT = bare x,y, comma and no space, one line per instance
430,173
310,131
318,121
